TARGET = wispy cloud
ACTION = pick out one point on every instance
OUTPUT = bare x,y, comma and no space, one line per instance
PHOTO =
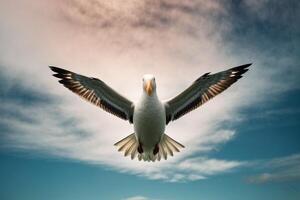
177,41
150,15
278,170
138,198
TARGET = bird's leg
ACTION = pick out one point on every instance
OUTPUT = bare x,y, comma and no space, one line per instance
156,149
140,148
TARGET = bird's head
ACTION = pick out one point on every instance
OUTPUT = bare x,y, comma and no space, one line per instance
149,84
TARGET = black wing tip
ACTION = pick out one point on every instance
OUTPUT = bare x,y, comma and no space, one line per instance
206,74
239,70
53,68
61,76
59,70
247,65
242,67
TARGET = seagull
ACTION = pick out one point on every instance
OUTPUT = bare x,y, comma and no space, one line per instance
149,115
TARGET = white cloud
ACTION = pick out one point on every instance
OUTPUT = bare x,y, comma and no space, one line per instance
137,198
182,45
207,166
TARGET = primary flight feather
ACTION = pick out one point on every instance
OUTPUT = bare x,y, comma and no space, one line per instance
149,115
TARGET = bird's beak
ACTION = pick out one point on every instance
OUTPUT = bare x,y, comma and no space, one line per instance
148,87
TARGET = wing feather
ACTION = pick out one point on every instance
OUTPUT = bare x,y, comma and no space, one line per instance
203,89
96,92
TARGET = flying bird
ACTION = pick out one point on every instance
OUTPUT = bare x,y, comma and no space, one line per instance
149,115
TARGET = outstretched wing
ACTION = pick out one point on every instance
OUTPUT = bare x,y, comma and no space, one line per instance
203,89
96,92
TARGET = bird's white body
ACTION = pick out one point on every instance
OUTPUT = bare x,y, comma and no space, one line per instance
149,121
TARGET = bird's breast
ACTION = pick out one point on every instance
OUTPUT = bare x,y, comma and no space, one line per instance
149,121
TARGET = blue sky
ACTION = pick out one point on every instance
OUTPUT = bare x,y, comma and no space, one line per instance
243,143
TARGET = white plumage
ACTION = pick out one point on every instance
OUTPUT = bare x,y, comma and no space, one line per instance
149,115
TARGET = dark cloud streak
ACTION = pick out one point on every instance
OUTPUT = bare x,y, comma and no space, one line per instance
150,15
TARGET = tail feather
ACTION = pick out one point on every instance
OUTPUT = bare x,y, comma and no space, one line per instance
129,145
167,146
124,140
172,146
125,146
175,143
169,151
134,153
129,148
158,155
163,150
